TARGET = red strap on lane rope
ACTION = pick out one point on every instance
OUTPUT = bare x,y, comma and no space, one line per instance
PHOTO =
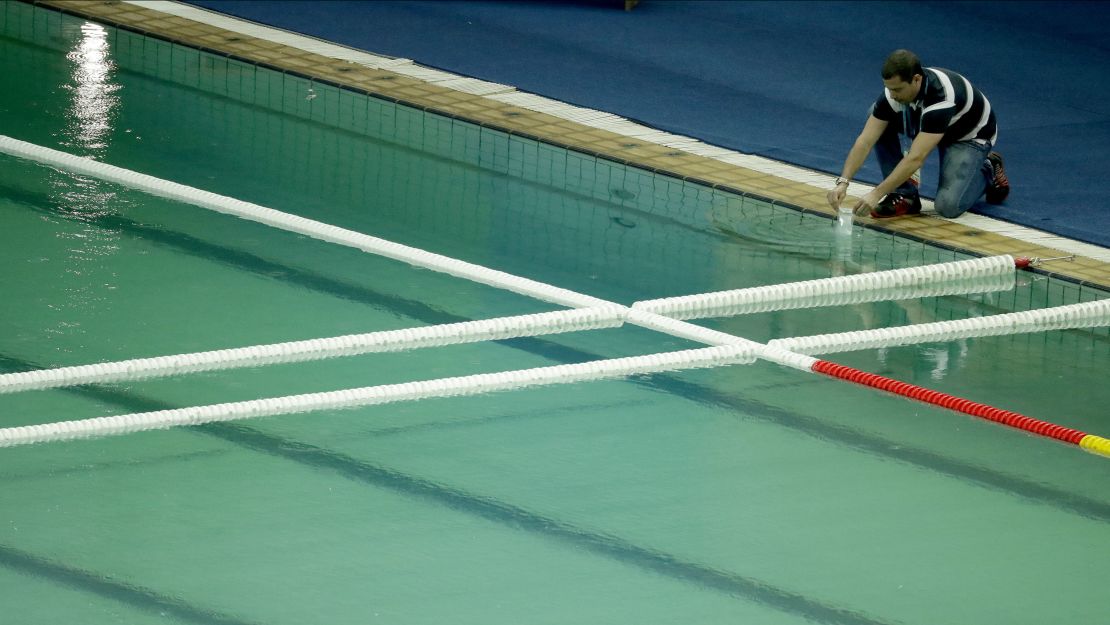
944,400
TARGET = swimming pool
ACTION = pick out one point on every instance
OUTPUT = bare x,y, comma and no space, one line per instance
739,493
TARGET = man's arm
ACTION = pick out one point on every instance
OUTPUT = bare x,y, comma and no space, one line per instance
910,163
866,140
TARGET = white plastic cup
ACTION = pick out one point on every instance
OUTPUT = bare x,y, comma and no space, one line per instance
843,237
844,220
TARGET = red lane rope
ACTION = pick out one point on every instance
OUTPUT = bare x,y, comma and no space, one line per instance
966,406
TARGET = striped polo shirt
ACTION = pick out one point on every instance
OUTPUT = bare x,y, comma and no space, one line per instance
948,104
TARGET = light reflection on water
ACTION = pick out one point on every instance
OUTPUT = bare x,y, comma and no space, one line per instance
86,271
94,98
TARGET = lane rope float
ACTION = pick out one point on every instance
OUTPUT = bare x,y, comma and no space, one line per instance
1082,315
851,289
350,398
571,320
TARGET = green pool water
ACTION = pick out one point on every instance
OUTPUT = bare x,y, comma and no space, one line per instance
740,494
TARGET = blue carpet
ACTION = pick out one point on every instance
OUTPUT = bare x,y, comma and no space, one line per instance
786,80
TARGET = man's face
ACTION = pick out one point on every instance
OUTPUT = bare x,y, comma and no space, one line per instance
902,91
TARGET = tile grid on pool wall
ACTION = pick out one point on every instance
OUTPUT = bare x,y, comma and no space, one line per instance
235,74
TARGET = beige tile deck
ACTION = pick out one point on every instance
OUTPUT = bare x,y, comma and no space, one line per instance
514,119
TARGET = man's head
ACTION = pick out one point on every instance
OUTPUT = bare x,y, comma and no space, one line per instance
902,75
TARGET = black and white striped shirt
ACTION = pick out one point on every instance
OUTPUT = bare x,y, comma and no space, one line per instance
948,104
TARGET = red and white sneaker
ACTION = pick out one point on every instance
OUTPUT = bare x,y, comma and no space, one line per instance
999,186
896,205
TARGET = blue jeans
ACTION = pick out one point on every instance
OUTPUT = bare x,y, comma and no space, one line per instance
964,170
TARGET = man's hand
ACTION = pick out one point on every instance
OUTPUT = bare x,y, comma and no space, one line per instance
867,203
836,195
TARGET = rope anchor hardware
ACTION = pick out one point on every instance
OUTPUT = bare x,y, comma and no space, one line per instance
1023,262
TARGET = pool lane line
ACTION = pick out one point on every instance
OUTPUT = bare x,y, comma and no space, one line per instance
741,408
1089,442
521,519
488,508
517,379
105,586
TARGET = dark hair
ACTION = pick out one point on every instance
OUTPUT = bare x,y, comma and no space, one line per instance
903,64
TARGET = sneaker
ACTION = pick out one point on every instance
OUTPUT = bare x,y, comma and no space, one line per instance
999,186
896,205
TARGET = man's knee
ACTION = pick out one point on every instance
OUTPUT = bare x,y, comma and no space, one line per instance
948,206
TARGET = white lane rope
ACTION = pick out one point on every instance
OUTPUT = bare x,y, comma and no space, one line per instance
573,320
783,351
727,348
939,279
293,223
1083,315
444,387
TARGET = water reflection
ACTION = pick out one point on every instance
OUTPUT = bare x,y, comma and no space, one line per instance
94,94
86,275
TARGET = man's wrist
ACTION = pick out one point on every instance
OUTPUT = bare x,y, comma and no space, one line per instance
842,181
